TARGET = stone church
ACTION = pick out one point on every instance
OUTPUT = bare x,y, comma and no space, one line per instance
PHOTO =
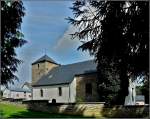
69,83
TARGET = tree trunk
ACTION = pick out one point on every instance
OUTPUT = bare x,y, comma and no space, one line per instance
124,83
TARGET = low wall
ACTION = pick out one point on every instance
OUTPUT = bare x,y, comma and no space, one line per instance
86,109
132,111
89,109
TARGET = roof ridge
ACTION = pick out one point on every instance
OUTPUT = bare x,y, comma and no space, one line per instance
78,62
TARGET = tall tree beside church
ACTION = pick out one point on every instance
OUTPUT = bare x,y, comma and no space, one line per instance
117,34
11,38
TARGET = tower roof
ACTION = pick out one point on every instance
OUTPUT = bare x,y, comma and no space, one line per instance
43,59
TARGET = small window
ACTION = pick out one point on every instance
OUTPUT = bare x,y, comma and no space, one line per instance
60,91
132,94
17,95
88,89
24,94
38,66
41,92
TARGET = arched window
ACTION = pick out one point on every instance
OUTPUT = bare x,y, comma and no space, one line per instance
60,91
24,94
41,92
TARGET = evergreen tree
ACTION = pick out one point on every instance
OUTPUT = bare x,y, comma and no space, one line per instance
117,34
11,38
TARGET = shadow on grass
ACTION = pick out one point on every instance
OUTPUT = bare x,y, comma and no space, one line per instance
1,113
36,114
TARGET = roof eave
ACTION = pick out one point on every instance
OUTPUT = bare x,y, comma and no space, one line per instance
86,73
44,61
36,85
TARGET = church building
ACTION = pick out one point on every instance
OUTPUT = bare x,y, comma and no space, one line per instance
69,83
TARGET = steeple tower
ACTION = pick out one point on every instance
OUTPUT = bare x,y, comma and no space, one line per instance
41,67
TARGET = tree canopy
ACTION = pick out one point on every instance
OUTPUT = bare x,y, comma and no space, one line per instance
11,38
117,34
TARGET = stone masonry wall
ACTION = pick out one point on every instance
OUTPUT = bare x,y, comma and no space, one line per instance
81,82
38,72
93,109
90,109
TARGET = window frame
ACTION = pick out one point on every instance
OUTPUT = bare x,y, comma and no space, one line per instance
41,92
25,94
60,91
38,66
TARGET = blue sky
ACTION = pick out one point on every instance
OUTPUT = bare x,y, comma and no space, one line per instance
45,28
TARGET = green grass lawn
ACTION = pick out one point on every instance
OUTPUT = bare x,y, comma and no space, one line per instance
15,111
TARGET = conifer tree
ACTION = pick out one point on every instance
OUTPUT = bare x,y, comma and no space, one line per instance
11,38
117,34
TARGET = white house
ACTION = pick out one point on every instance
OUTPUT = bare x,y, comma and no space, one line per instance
140,100
17,93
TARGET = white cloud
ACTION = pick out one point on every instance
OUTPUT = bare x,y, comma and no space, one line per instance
65,45
65,42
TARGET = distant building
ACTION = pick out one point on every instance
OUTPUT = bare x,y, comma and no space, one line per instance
64,83
23,93
140,100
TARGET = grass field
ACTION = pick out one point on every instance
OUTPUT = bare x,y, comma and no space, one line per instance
15,111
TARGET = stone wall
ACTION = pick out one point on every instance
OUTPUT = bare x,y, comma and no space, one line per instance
130,111
41,69
86,109
90,109
81,81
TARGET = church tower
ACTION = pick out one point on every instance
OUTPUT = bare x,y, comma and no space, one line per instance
41,67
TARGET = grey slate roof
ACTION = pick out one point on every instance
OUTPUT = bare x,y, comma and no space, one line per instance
64,74
44,58
19,90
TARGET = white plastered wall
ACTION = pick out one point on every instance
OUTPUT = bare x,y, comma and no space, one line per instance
51,92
